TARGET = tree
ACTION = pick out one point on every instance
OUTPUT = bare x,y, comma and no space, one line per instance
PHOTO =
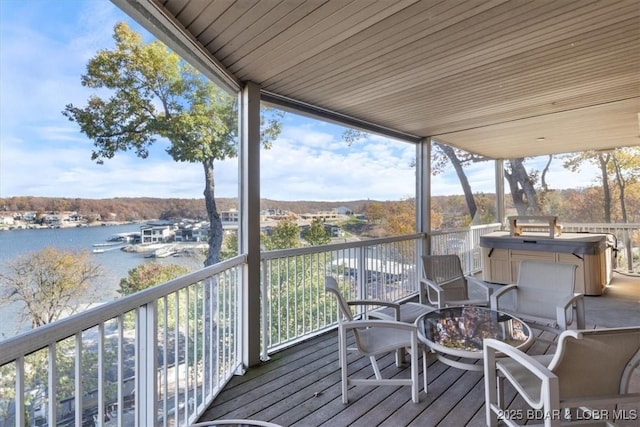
285,235
400,218
626,170
147,275
50,283
622,166
317,235
229,245
374,212
574,162
154,94
458,159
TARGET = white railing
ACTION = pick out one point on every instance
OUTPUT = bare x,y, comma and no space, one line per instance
157,357
293,283
626,244
464,242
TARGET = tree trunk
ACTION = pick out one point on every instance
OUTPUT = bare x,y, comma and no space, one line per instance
621,184
523,192
627,237
213,257
543,176
215,224
464,181
605,186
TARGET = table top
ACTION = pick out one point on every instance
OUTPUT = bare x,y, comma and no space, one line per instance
460,330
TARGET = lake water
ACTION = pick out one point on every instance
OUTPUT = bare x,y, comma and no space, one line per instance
115,263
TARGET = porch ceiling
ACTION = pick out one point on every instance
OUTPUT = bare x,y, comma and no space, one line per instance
493,77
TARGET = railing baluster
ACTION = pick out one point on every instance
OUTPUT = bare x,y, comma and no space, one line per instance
19,404
176,356
52,379
101,389
165,356
120,367
78,378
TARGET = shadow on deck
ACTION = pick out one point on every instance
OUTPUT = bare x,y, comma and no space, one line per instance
300,386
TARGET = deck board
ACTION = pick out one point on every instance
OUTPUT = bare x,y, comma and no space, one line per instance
300,386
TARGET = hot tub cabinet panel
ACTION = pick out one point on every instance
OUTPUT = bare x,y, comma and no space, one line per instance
502,253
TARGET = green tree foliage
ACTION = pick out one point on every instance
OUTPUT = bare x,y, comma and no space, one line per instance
147,275
285,235
50,283
154,94
316,234
229,245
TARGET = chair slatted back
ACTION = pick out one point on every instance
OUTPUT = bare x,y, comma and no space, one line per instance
596,362
446,271
331,286
541,285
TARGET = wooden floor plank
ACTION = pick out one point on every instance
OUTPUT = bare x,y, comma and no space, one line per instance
301,386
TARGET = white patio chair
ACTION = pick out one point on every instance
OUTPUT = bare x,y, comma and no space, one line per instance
406,312
373,338
590,368
444,283
544,296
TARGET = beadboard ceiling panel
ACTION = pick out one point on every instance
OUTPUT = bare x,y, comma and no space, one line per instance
498,78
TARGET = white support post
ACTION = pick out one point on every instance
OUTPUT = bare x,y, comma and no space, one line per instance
250,222
423,192
500,191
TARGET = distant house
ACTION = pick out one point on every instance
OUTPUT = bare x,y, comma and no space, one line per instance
230,217
332,230
183,234
51,219
7,220
74,217
323,215
158,232
29,216
343,210
200,234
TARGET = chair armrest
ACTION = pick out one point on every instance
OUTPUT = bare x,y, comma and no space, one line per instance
511,364
352,324
569,301
496,295
426,283
575,301
481,284
368,302
373,341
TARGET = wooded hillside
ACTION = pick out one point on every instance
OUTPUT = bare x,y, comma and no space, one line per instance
574,205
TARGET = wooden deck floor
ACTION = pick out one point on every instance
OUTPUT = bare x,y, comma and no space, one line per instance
300,386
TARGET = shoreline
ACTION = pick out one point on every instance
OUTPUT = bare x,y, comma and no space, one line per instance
23,225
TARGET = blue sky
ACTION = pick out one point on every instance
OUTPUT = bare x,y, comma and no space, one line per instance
44,47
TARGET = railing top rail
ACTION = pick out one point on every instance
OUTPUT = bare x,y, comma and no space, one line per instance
38,338
601,224
464,229
281,253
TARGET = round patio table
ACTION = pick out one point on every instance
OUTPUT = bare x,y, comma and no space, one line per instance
458,332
